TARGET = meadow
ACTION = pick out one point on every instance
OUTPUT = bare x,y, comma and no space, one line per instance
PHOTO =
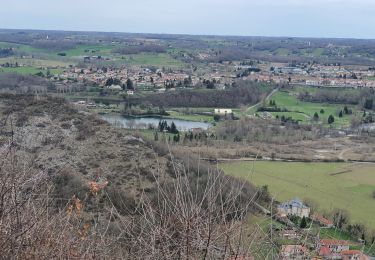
329,185
152,59
304,111
29,70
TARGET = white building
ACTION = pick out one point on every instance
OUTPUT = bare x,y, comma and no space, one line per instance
115,87
294,207
223,111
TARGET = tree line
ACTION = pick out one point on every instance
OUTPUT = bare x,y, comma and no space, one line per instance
364,97
249,93
135,49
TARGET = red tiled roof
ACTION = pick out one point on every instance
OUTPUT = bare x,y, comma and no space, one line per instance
324,251
333,242
322,219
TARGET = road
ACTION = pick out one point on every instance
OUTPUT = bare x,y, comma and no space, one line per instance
267,98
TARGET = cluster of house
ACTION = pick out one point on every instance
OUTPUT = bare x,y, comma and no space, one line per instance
323,248
138,75
141,76
332,76
327,249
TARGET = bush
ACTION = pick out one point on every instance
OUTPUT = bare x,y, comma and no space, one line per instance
67,184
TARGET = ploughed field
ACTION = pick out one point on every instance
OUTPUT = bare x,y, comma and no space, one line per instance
347,186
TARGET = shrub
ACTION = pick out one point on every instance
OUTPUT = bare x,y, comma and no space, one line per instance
67,184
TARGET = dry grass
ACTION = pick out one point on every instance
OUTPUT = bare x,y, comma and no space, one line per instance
54,207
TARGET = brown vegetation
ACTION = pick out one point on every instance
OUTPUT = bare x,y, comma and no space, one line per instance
108,195
245,93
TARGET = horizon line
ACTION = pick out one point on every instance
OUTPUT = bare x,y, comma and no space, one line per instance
184,34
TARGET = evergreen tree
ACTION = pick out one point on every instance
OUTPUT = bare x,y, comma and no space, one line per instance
331,119
173,128
303,223
368,104
109,82
340,114
176,138
316,116
129,84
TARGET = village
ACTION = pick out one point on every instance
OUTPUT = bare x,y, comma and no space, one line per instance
217,76
300,242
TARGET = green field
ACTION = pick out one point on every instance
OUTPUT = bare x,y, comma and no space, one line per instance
153,59
330,185
28,70
90,50
318,52
282,52
304,111
34,62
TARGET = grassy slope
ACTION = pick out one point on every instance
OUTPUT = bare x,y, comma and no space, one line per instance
290,101
351,190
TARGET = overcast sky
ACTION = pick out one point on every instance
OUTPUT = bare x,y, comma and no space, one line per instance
311,18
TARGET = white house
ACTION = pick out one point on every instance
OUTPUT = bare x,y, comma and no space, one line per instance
326,246
294,207
223,111
293,252
115,87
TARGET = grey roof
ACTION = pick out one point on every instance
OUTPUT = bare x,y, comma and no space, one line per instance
293,203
